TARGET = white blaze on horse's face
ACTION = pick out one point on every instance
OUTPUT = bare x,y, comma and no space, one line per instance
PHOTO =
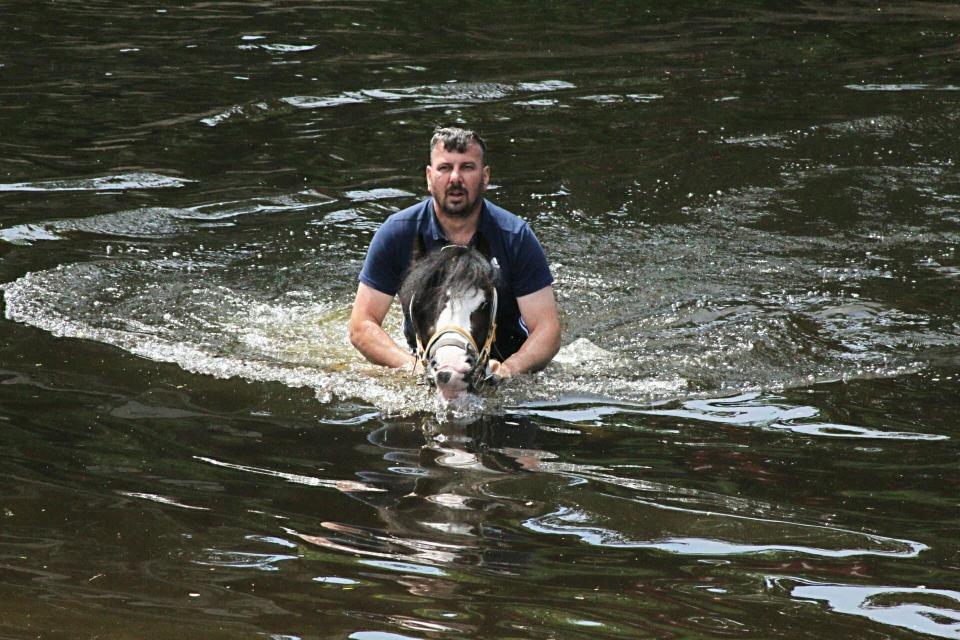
450,365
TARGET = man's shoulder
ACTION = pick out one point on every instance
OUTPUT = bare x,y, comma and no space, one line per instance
523,255
400,227
506,222
408,218
389,251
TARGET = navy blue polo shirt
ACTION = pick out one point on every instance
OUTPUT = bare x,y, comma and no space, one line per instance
523,264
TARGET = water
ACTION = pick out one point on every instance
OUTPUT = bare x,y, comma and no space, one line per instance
752,215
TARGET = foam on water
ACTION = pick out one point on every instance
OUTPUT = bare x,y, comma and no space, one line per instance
208,328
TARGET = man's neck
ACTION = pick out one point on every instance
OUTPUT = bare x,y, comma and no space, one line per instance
459,230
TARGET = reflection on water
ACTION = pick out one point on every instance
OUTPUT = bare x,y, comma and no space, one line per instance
768,536
746,410
935,612
752,218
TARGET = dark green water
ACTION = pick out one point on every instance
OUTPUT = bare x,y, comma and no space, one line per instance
752,211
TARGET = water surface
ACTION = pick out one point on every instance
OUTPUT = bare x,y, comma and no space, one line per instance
752,216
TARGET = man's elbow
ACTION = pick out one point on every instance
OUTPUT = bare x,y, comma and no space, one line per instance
549,345
354,333
358,333
554,342
555,345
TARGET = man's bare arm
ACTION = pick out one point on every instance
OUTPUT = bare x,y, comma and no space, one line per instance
539,313
366,329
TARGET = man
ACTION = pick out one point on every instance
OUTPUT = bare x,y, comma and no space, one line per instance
528,326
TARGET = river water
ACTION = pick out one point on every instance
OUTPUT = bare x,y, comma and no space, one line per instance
752,211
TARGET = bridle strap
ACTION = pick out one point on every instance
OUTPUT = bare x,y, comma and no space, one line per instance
450,328
483,355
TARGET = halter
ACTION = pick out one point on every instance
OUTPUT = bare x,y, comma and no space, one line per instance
424,354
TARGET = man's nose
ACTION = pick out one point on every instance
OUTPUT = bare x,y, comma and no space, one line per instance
455,175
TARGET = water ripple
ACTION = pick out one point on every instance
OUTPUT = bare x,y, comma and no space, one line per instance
447,94
156,222
744,410
120,182
347,486
904,86
161,499
584,524
244,560
935,612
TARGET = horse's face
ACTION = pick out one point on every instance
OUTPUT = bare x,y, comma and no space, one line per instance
449,297
453,359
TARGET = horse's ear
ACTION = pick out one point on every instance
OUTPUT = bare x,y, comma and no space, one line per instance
419,248
481,245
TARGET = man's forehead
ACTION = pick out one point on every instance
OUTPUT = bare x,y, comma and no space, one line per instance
439,151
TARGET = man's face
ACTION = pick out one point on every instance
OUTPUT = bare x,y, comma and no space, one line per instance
457,181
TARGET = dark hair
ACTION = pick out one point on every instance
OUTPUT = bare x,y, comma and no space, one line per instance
429,279
456,139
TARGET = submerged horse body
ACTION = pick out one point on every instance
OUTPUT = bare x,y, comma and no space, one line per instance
449,300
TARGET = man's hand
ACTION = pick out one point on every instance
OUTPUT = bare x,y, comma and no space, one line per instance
498,371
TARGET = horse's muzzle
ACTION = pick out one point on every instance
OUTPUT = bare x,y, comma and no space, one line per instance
451,368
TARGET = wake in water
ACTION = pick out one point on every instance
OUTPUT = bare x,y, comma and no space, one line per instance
726,299
220,311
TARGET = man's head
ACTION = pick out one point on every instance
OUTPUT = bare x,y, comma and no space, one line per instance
457,176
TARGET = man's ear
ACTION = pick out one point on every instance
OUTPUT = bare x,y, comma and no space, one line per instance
486,176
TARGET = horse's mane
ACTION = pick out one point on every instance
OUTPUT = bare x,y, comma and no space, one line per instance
453,267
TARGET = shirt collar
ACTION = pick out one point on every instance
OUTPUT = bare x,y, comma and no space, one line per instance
433,232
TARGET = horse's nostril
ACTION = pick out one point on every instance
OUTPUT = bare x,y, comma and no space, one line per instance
443,377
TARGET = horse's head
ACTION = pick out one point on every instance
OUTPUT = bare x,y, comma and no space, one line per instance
449,300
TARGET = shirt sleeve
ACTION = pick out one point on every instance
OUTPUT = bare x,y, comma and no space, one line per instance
383,266
531,272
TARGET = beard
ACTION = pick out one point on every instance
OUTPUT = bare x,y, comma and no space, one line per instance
464,207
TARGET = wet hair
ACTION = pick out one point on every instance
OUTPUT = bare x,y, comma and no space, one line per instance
456,139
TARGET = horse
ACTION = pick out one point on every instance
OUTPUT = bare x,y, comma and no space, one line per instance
449,301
